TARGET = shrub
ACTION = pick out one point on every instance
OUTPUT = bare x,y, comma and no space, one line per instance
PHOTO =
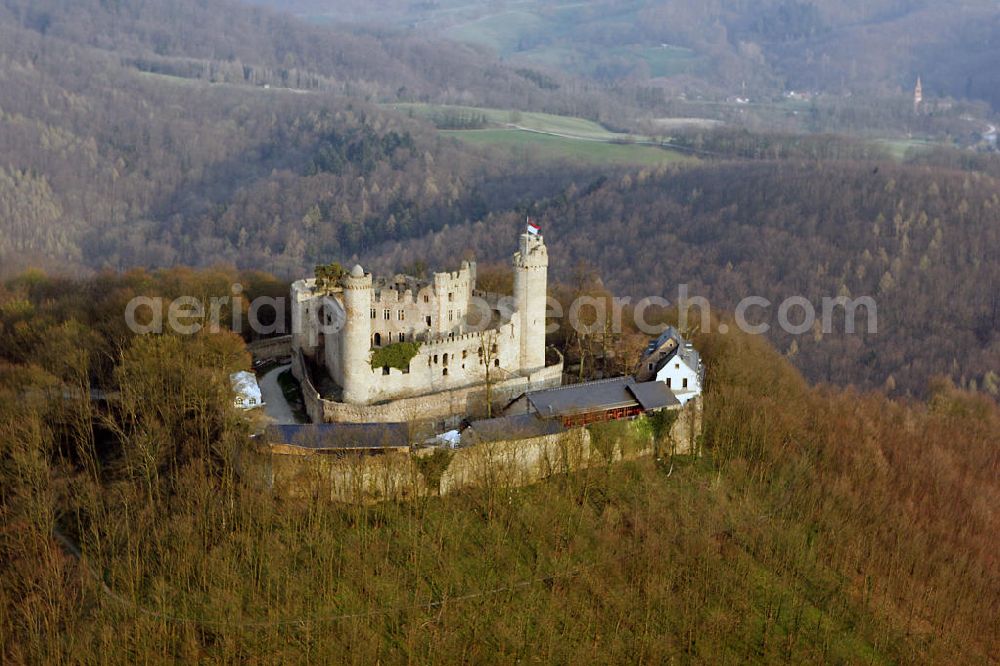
396,355
328,275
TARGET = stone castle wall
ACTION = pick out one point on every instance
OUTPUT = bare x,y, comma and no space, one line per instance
451,363
339,328
517,462
352,478
503,464
685,431
271,348
437,309
448,406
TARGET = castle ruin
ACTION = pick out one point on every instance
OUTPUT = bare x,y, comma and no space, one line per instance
456,339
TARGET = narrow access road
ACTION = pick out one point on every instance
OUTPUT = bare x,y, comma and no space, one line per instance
275,405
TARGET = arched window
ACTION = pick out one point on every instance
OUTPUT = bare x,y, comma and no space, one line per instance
377,339
445,372
444,359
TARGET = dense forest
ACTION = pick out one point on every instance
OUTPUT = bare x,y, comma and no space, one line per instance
106,164
923,243
129,141
820,525
224,41
715,47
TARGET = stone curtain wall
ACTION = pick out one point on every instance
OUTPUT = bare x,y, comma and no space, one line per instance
450,406
518,462
310,396
352,478
271,348
685,430
503,464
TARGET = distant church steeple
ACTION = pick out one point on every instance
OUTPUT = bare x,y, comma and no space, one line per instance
918,96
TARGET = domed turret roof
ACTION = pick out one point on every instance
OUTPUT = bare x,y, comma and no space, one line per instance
357,271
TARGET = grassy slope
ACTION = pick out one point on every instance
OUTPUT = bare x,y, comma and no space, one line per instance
901,148
580,139
548,122
529,144
500,32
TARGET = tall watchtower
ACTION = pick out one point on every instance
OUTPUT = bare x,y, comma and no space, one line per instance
355,338
531,263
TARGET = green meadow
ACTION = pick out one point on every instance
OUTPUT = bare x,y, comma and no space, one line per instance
545,135
528,145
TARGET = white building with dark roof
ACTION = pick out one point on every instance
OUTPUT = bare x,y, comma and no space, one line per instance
673,361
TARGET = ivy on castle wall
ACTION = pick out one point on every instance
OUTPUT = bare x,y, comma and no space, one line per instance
397,355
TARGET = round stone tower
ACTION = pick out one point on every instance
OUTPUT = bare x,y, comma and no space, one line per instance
531,263
355,338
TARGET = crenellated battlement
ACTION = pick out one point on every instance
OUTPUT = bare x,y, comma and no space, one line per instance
436,312
507,328
393,297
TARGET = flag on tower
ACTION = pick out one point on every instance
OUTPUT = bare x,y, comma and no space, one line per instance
533,228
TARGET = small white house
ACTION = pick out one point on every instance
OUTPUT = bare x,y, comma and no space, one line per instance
246,391
675,362
682,373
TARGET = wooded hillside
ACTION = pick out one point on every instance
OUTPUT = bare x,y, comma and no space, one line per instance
923,243
143,134
821,525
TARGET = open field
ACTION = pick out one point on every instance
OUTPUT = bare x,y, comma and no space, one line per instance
544,135
665,59
674,124
544,122
899,148
527,34
533,144
500,32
